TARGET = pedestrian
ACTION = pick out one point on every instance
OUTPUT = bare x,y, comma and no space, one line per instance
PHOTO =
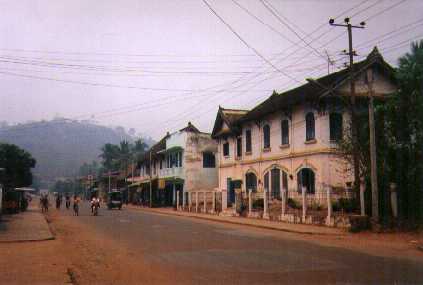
76,201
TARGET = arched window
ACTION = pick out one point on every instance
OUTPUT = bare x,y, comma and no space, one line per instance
335,126
310,132
285,132
251,182
306,177
266,136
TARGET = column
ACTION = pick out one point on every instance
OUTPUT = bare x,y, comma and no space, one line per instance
329,202
205,202
183,200
213,202
362,205
177,200
189,201
250,203
224,200
174,194
283,198
196,202
265,204
303,194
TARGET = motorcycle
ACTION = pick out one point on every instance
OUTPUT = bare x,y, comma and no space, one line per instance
95,209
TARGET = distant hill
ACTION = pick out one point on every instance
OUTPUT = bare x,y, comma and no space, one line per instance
61,146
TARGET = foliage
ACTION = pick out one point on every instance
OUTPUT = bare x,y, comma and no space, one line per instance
399,141
68,186
346,205
117,157
17,164
258,204
293,204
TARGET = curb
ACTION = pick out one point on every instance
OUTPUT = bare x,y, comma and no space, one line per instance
237,223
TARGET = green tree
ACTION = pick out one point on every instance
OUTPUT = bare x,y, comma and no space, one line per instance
17,164
404,129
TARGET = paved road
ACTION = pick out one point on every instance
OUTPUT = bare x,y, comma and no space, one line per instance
206,252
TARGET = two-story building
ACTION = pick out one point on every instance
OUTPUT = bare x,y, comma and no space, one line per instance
289,141
181,162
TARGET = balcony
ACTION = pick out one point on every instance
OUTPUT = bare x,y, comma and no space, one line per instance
172,172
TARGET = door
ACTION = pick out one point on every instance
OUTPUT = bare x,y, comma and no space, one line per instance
231,191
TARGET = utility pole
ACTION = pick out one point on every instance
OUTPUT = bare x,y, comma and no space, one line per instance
373,167
354,126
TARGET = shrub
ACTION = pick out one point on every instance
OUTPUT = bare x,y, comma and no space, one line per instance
293,204
259,203
316,206
347,205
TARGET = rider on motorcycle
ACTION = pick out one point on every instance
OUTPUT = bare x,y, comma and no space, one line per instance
95,203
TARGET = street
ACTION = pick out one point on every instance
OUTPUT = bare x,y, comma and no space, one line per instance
134,246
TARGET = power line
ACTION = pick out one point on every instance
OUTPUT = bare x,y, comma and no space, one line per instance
246,44
272,10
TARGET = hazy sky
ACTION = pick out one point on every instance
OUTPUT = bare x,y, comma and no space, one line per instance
155,65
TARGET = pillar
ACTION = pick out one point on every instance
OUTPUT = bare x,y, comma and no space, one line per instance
189,201
250,203
283,198
196,201
265,205
183,200
177,200
205,202
394,199
303,194
174,194
213,202
362,205
224,200
329,202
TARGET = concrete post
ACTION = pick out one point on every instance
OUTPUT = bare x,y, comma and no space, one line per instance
196,202
183,200
283,196
213,202
394,201
303,194
250,203
224,200
189,201
265,205
174,194
362,205
177,201
205,202
329,202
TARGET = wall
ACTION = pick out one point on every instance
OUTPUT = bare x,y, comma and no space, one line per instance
319,155
198,178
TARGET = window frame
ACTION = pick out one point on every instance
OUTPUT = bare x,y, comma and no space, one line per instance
336,132
248,141
310,187
284,136
310,127
266,136
209,165
226,149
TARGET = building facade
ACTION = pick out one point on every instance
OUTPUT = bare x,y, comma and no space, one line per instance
183,161
290,140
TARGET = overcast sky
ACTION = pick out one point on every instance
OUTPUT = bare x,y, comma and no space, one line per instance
155,65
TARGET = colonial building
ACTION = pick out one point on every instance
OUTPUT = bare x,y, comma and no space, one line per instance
183,161
290,140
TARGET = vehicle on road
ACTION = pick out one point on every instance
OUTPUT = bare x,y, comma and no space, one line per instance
114,200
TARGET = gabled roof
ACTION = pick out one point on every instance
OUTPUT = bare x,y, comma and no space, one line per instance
190,128
230,117
314,89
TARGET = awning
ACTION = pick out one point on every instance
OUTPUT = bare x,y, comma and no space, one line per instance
135,184
174,149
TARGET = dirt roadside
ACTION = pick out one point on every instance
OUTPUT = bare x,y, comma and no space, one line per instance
77,255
